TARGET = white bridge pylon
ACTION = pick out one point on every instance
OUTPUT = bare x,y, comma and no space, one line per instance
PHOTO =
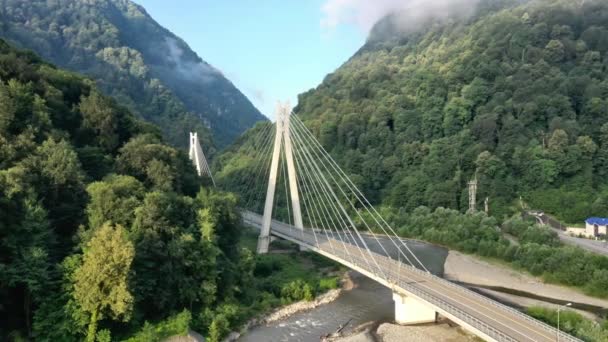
282,140
198,157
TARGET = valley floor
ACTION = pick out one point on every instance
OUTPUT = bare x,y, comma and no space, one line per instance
479,275
475,272
388,332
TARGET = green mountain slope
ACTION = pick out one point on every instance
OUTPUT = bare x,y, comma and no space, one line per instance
108,234
135,60
90,198
514,95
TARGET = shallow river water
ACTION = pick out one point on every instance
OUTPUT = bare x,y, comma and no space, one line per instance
368,301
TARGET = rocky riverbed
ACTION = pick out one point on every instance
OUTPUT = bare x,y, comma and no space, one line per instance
497,280
387,332
365,310
292,309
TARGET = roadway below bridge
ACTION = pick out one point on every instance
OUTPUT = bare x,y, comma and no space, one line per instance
480,315
594,246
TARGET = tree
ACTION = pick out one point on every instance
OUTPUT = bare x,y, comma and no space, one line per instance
99,120
101,283
7,110
115,200
555,51
26,248
157,165
62,182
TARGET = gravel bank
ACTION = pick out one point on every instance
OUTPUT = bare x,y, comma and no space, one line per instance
427,333
468,269
291,309
515,300
364,336
389,332
286,311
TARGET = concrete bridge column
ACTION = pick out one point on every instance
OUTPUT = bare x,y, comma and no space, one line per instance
409,310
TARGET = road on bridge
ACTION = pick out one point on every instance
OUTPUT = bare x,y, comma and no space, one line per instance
467,308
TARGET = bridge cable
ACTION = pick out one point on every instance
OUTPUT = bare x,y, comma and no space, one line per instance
318,171
333,208
308,204
348,200
326,211
375,237
264,158
362,199
287,192
344,179
250,180
312,208
346,225
311,188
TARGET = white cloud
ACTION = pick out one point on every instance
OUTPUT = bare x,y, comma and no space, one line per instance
365,13
188,69
259,95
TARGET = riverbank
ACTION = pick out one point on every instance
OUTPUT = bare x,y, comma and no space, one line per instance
301,306
488,276
346,284
388,332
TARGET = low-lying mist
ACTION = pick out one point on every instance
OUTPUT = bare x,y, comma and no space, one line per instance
408,13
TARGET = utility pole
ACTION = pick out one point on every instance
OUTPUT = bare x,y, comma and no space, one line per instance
472,195
558,310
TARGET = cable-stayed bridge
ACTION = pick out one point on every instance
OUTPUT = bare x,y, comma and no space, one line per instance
322,210
198,157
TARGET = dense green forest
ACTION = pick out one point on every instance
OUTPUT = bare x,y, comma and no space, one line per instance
135,60
537,251
107,233
515,95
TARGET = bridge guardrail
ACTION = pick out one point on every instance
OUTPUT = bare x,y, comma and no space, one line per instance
566,337
452,309
440,303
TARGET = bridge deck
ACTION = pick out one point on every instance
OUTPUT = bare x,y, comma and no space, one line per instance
472,310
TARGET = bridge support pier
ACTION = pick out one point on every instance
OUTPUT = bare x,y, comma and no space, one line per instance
409,310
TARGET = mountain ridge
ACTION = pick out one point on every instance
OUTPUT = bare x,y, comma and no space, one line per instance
136,60
512,95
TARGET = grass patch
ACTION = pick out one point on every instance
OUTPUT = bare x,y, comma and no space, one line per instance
572,323
286,277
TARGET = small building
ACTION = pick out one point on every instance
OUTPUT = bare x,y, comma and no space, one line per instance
596,226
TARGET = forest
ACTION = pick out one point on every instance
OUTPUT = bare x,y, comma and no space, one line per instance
537,251
135,60
514,96
108,234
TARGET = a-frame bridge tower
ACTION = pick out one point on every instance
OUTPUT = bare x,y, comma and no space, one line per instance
282,141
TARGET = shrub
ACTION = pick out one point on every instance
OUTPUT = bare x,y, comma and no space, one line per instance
175,325
328,283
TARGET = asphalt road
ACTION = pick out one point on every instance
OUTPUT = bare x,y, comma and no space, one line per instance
595,246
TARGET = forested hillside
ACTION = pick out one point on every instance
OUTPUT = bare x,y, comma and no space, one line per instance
135,60
515,95
108,234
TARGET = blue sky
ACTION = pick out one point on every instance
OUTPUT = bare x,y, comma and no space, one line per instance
270,49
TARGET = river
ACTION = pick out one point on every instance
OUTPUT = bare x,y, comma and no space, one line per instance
368,301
